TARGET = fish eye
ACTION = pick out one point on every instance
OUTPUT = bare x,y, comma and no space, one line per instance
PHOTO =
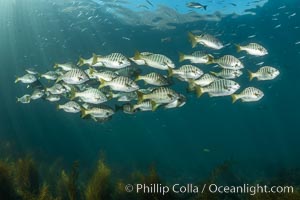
107,113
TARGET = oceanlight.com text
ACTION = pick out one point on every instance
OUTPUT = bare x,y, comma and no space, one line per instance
211,188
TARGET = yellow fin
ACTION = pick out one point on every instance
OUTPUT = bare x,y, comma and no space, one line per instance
17,80
199,91
138,78
154,105
72,94
137,55
170,72
238,47
210,59
251,75
140,96
95,58
181,57
57,107
192,85
102,83
192,39
234,98
83,113
55,66
80,62
91,71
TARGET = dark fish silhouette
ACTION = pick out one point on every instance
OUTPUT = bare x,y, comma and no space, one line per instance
196,5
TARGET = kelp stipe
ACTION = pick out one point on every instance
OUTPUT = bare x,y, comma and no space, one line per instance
99,186
7,190
27,178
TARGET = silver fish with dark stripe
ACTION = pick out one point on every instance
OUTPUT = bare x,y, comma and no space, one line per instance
74,76
37,94
253,49
196,57
105,75
204,80
205,40
157,61
70,107
146,105
97,112
249,94
50,75
265,73
89,61
113,60
57,89
65,66
228,73
121,84
228,62
186,72
53,97
90,95
160,95
24,99
140,61
222,87
27,78
153,79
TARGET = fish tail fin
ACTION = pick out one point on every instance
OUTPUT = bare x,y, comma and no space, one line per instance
191,86
154,105
102,83
210,59
72,94
234,98
181,57
204,7
83,113
238,47
55,66
95,58
18,99
140,96
91,71
251,75
199,91
170,72
137,55
17,80
80,61
137,78
58,107
192,39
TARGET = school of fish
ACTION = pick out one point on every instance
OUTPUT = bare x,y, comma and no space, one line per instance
94,87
